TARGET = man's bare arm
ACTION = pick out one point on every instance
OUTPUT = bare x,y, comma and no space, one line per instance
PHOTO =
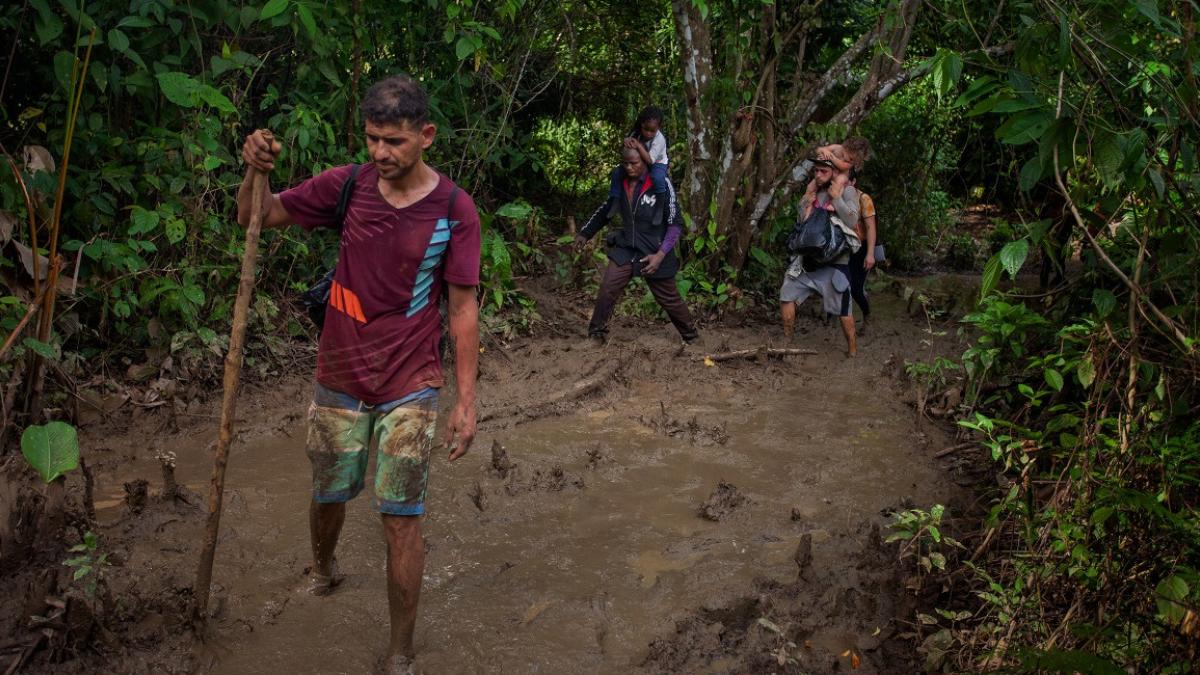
464,332
259,154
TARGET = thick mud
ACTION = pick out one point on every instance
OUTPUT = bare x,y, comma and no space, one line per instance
625,507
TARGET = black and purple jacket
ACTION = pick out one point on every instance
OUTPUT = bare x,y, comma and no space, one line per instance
651,223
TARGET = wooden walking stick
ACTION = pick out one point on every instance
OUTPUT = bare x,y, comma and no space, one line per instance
233,367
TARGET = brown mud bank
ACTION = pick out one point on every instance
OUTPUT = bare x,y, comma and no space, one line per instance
626,507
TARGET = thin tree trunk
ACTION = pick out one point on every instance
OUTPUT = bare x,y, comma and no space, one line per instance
696,54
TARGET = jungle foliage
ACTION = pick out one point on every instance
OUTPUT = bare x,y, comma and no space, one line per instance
1085,395
121,125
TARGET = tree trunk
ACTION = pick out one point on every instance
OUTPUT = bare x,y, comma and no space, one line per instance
746,187
695,51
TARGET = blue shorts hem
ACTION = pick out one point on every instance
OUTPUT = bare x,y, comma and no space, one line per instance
335,497
401,509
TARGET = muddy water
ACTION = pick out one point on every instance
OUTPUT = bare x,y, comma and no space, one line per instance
552,577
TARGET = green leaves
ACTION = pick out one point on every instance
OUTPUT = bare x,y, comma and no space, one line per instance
518,210
466,46
1104,301
1010,259
1086,372
117,41
41,348
991,277
945,69
1025,127
51,449
1012,256
1054,379
142,221
186,92
272,8
47,25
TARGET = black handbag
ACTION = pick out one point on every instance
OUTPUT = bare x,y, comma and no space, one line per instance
316,298
818,238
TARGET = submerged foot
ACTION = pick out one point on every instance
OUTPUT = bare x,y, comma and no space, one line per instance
397,664
322,584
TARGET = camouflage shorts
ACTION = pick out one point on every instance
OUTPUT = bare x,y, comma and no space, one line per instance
341,432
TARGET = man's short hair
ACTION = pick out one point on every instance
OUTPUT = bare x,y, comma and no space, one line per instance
396,99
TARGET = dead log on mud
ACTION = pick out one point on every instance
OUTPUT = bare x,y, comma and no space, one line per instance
777,352
953,449
578,390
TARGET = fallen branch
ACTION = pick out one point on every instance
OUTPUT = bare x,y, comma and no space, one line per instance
580,389
953,449
777,352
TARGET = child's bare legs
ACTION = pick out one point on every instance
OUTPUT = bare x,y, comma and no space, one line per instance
787,312
848,330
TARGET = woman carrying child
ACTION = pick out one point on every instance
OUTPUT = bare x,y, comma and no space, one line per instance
646,137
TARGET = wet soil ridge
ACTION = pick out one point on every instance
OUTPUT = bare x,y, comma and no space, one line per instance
722,502
692,430
837,615
560,401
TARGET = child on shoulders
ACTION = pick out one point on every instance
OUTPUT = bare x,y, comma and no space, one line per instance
646,137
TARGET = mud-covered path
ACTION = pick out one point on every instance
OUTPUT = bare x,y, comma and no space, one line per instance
591,547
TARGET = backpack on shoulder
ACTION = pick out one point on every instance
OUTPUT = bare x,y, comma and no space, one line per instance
316,298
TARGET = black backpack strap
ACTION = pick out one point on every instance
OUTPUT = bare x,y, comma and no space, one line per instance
450,205
343,202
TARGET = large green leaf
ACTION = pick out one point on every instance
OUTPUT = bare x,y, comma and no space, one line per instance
1031,173
178,88
273,8
1025,127
51,449
1013,255
991,276
464,47
47,25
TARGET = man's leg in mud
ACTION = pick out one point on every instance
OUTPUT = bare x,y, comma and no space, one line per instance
848,330
667,294
612,285
325,525
787,311
405,565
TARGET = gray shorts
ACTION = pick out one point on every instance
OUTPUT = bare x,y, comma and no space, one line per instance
831,282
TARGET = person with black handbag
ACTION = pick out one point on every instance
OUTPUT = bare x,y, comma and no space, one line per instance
826,234
407,234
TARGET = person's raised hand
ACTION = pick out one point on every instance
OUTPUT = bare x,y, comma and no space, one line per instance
838,185
260,152
811,190
630,143
652,262
460,430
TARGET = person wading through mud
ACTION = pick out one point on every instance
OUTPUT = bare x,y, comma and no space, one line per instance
644,246
829,190
408,233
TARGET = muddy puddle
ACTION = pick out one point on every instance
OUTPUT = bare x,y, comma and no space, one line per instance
591,544
583,547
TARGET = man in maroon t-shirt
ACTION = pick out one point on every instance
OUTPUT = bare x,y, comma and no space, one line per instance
408,232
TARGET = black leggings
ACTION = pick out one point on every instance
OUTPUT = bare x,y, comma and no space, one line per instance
858,280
